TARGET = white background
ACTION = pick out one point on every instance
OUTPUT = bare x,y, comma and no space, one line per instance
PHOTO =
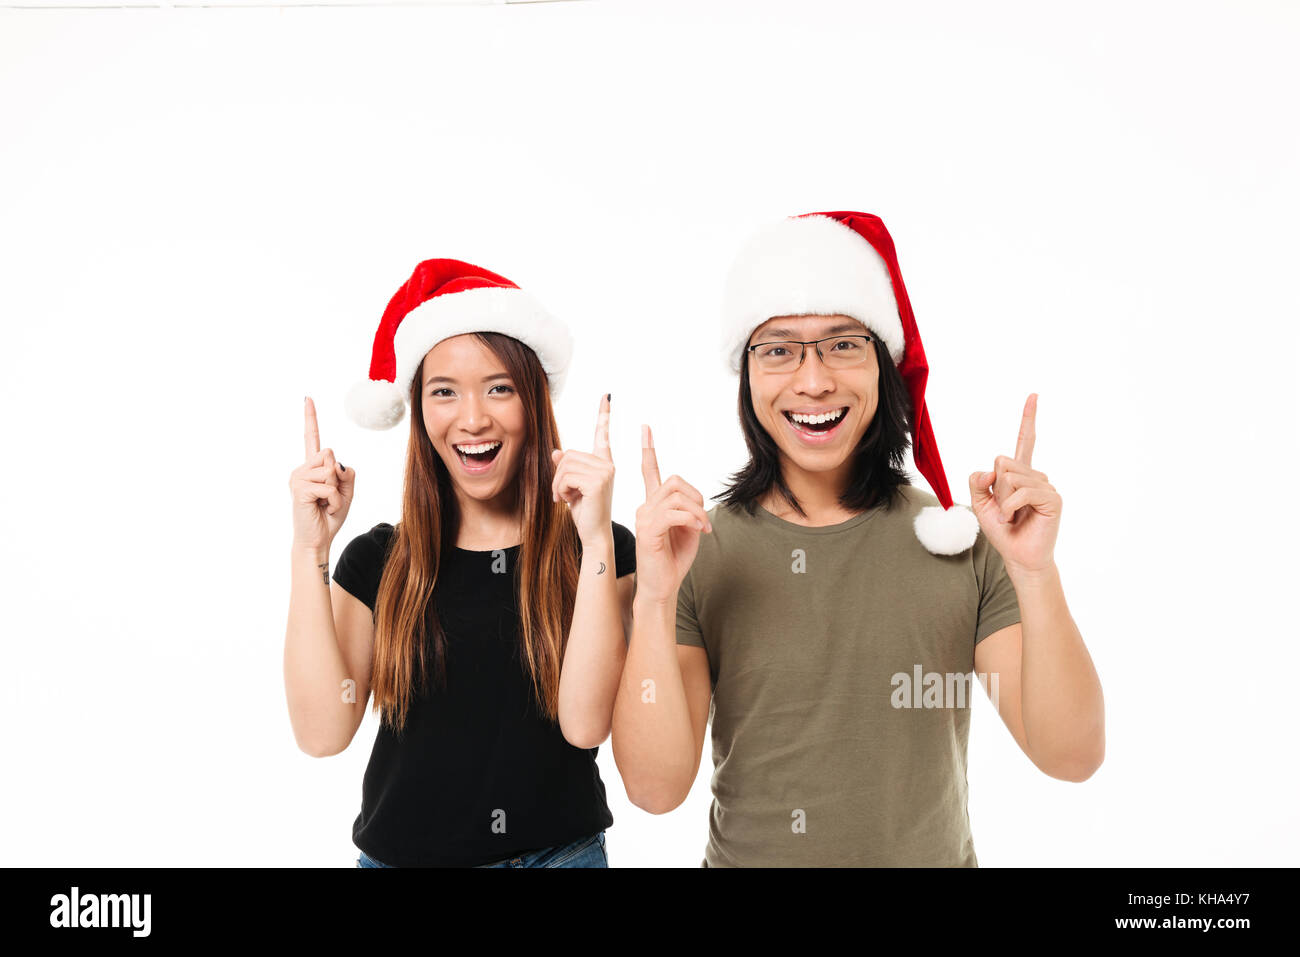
203,213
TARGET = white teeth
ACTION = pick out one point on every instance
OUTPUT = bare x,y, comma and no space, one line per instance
476,449
815,419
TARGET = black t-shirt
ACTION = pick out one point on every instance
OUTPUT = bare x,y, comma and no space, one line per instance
479,773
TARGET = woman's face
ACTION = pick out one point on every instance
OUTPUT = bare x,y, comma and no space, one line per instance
473,416
814,390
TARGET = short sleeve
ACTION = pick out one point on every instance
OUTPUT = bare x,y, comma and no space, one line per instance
361,564
624,551
998,604
688,626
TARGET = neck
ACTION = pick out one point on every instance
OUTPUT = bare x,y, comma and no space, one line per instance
818,494
485,525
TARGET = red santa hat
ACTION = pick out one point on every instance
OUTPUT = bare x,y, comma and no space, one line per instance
445,298
843,263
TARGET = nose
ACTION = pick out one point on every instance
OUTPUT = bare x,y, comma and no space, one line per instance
473,415
812,377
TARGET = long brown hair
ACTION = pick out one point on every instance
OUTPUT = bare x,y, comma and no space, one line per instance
410,645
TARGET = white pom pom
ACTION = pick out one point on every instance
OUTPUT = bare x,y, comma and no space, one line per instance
375,404
946,532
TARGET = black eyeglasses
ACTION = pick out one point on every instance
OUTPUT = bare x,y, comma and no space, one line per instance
842,352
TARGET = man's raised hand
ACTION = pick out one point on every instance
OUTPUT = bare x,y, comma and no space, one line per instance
668,527
1018,509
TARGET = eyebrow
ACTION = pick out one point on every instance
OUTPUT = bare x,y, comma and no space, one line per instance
432,380
833,330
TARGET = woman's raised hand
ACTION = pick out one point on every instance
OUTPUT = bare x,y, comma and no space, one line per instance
321,489
585,481
668,528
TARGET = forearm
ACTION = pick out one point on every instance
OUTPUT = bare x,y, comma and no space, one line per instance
654,743
314,669
593,653
1061,699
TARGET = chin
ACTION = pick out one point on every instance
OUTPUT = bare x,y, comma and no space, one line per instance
827,461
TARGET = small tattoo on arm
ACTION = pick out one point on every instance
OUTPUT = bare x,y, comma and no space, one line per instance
601,569
324,572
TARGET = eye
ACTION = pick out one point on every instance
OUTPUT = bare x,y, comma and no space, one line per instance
437,391
773,350
508,389
847,345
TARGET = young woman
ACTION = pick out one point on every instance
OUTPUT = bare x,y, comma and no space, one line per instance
489,624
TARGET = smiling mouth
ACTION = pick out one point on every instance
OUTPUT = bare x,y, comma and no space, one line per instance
814,424
477,454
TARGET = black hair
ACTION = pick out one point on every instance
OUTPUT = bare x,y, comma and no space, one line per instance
878,461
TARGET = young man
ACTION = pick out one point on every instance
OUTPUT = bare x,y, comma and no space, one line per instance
827,620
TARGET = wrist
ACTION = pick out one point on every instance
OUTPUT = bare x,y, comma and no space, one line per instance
647,604
603,539
312,554
1039,577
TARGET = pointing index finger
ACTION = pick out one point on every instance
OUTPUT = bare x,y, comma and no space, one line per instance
649,464
1025,441
602,430
311,431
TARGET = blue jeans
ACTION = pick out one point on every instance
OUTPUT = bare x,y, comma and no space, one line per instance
584,852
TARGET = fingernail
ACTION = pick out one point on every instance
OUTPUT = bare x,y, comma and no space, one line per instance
607,395
342,468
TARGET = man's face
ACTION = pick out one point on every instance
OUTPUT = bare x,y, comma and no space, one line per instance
849,396
473,416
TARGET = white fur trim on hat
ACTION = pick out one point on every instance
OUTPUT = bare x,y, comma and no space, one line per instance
378,404
946,531
511,312
808,265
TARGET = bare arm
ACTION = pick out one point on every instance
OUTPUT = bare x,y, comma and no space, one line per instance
597,639
594,652
327,649
1048,691
662,710
662,706
327,643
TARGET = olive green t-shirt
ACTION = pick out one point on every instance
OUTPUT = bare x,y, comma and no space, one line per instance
816,637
